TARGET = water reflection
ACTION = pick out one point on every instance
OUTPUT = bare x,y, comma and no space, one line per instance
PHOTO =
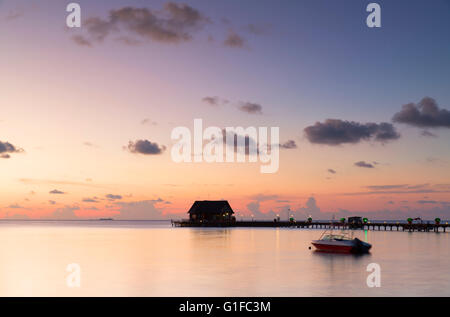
329,255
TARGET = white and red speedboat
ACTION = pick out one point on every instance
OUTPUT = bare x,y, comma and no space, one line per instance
340,243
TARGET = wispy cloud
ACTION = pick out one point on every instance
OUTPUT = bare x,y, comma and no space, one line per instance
148,121
427,133
90,144
423,202
264,197
234,40
364,164
56,192
112,197
214,101
396,186
81,40
15,206
33,181
257,29
402,189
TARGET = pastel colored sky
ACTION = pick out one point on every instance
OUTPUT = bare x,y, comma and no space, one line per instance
71,100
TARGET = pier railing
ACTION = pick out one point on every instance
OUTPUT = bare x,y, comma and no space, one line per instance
378,226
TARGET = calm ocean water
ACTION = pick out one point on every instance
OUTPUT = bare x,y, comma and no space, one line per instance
148,258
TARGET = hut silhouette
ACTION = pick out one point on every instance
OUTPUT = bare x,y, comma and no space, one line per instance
211,211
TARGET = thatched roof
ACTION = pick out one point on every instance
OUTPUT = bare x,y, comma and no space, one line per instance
211,206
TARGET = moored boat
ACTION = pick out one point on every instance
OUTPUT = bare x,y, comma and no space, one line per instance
340,243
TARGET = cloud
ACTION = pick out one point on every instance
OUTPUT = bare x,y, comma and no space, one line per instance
252,108
90,144
148,121
112,197
66,213
311,209
289,144
254,208
436,160
145,147
336,132
396,186
250,143
6,148
90,200
418,191
264,197
128,41
302,213
440,209
98,28
234,40
214,101
398,214
257,29
428,134
15,206
422,202
384,187
240,140
140,210
331,171
425,114
31,181
56,192
175,23
403,189
16,216
364,164
15,14
81,40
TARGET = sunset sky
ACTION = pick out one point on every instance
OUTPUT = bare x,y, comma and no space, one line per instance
364,113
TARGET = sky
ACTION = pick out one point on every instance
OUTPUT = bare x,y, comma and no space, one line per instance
86,114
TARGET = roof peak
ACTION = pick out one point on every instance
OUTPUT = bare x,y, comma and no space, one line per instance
211,206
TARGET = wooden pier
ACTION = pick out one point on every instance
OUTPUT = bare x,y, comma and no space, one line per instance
377,226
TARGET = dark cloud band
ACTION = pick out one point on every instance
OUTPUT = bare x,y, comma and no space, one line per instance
336,132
